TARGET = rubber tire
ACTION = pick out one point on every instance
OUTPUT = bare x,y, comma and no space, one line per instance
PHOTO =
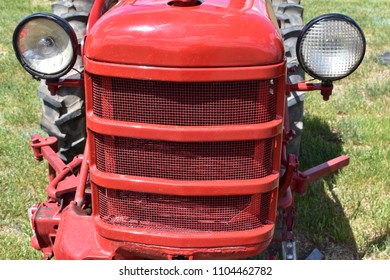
290,15
63,114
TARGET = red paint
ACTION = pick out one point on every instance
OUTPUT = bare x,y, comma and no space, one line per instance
217,33
100,207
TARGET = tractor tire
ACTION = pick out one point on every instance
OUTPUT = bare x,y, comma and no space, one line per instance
290,15
63,114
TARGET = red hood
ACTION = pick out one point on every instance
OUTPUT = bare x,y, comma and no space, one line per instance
216,33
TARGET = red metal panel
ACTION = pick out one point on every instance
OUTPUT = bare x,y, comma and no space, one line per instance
186,240
217,32
185,133
90,244
211,74
177,187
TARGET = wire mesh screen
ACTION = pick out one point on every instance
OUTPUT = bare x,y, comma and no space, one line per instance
183,213
237,160
184,103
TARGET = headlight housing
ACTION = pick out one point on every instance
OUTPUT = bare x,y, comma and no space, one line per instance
331,47
45,45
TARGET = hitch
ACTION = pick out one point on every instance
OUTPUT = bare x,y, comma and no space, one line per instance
302,179
294,180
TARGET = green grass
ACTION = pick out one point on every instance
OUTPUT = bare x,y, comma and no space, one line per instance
22,182
346,214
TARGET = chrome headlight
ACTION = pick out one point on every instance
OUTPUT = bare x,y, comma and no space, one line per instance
330,47
45,45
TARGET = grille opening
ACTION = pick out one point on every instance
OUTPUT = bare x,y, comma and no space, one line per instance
180,3
183,213
236,160
184,103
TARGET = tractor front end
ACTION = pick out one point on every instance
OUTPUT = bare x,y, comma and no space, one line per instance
185,105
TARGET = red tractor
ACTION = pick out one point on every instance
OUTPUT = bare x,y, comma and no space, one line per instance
185,127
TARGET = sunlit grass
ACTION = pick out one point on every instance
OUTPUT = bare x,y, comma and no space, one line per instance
22,181
352,208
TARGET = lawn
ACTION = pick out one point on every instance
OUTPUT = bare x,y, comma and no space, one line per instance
21,180
345,215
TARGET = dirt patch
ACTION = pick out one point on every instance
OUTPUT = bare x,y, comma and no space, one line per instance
3,52
330,249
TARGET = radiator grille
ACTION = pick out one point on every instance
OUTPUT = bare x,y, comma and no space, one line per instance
184,103
183,213
184,161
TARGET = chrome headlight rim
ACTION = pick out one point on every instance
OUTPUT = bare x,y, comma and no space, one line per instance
68,30
309,25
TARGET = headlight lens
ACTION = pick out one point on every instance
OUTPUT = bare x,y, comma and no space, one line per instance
331,47
45,45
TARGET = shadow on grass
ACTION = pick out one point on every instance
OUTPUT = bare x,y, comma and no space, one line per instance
321,221
381,243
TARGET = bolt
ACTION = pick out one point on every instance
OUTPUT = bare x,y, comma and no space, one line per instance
290,135
290,256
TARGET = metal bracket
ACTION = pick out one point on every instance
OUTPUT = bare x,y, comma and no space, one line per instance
37,143
292,170
326,88
53,85
289,250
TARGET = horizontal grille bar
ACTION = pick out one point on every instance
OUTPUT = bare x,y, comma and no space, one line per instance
184,103
184,160
183,213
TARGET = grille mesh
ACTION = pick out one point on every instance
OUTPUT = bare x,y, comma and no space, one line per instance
182,160
184,103
183,213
